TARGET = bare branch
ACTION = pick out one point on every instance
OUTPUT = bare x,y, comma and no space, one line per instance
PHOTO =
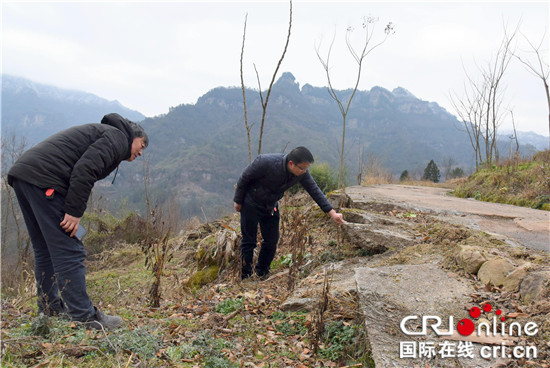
244,95
264,105
359,58
542,71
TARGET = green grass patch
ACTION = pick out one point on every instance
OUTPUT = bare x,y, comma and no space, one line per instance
292,323
229,305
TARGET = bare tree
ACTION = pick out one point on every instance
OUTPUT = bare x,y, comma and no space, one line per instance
513,138
469,110
493,74
265,101
15,238
368,26
447,165
539,67
247,126
480,108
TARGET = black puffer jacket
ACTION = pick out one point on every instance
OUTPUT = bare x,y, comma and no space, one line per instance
71,161
265,180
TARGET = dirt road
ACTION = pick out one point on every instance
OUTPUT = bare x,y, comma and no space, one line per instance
518,225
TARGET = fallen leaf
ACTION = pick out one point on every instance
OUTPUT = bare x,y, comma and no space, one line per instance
517,315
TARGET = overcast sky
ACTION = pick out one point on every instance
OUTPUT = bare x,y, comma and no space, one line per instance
151,56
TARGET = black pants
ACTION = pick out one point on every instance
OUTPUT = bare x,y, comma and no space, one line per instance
58,258
268,220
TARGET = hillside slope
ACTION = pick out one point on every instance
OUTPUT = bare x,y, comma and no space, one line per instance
306,314
198,151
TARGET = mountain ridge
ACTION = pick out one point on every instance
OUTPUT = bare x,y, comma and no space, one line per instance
40,110
197,151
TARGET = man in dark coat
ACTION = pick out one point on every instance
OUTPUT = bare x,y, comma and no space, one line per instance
53,181
261,185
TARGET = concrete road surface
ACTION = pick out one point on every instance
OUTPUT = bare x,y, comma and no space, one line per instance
521,225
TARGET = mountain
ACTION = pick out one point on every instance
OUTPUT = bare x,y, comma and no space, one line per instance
538,141
39,110
197,151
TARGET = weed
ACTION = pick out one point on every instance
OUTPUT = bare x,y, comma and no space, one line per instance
229,305
317,327
138,341
41,326
341,340
208,348
216,362
284,261
297,238
289,324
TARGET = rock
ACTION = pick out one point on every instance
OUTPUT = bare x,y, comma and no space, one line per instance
294,304
535,286
470,259
339,200
355,217
514,279
377,233
367,241
495,271
372,240
389,294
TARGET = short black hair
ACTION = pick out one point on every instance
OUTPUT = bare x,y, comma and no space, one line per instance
139,132
299,155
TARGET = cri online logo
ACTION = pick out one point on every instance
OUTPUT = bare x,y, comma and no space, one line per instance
466,326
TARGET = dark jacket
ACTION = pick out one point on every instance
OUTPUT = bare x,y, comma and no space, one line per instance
71,161
265,180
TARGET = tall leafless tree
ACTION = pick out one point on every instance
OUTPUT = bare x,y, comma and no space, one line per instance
539,67
469,110
263,101
480,107
367,46
246,125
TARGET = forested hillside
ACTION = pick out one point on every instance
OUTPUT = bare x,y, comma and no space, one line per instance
198,151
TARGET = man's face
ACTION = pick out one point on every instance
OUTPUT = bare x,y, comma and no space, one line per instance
298,169
137,149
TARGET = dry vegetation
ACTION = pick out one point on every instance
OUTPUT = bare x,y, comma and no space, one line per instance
184,304
519,182
206,316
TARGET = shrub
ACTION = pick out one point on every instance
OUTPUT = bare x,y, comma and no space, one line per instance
325,176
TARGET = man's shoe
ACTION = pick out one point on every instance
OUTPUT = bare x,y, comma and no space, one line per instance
263,275
104,321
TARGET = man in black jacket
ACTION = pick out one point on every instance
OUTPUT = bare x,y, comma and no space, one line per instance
261,185
53,181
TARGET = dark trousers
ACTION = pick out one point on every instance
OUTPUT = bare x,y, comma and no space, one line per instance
268,220
59,259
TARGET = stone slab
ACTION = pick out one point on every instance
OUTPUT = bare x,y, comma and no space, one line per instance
388,294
